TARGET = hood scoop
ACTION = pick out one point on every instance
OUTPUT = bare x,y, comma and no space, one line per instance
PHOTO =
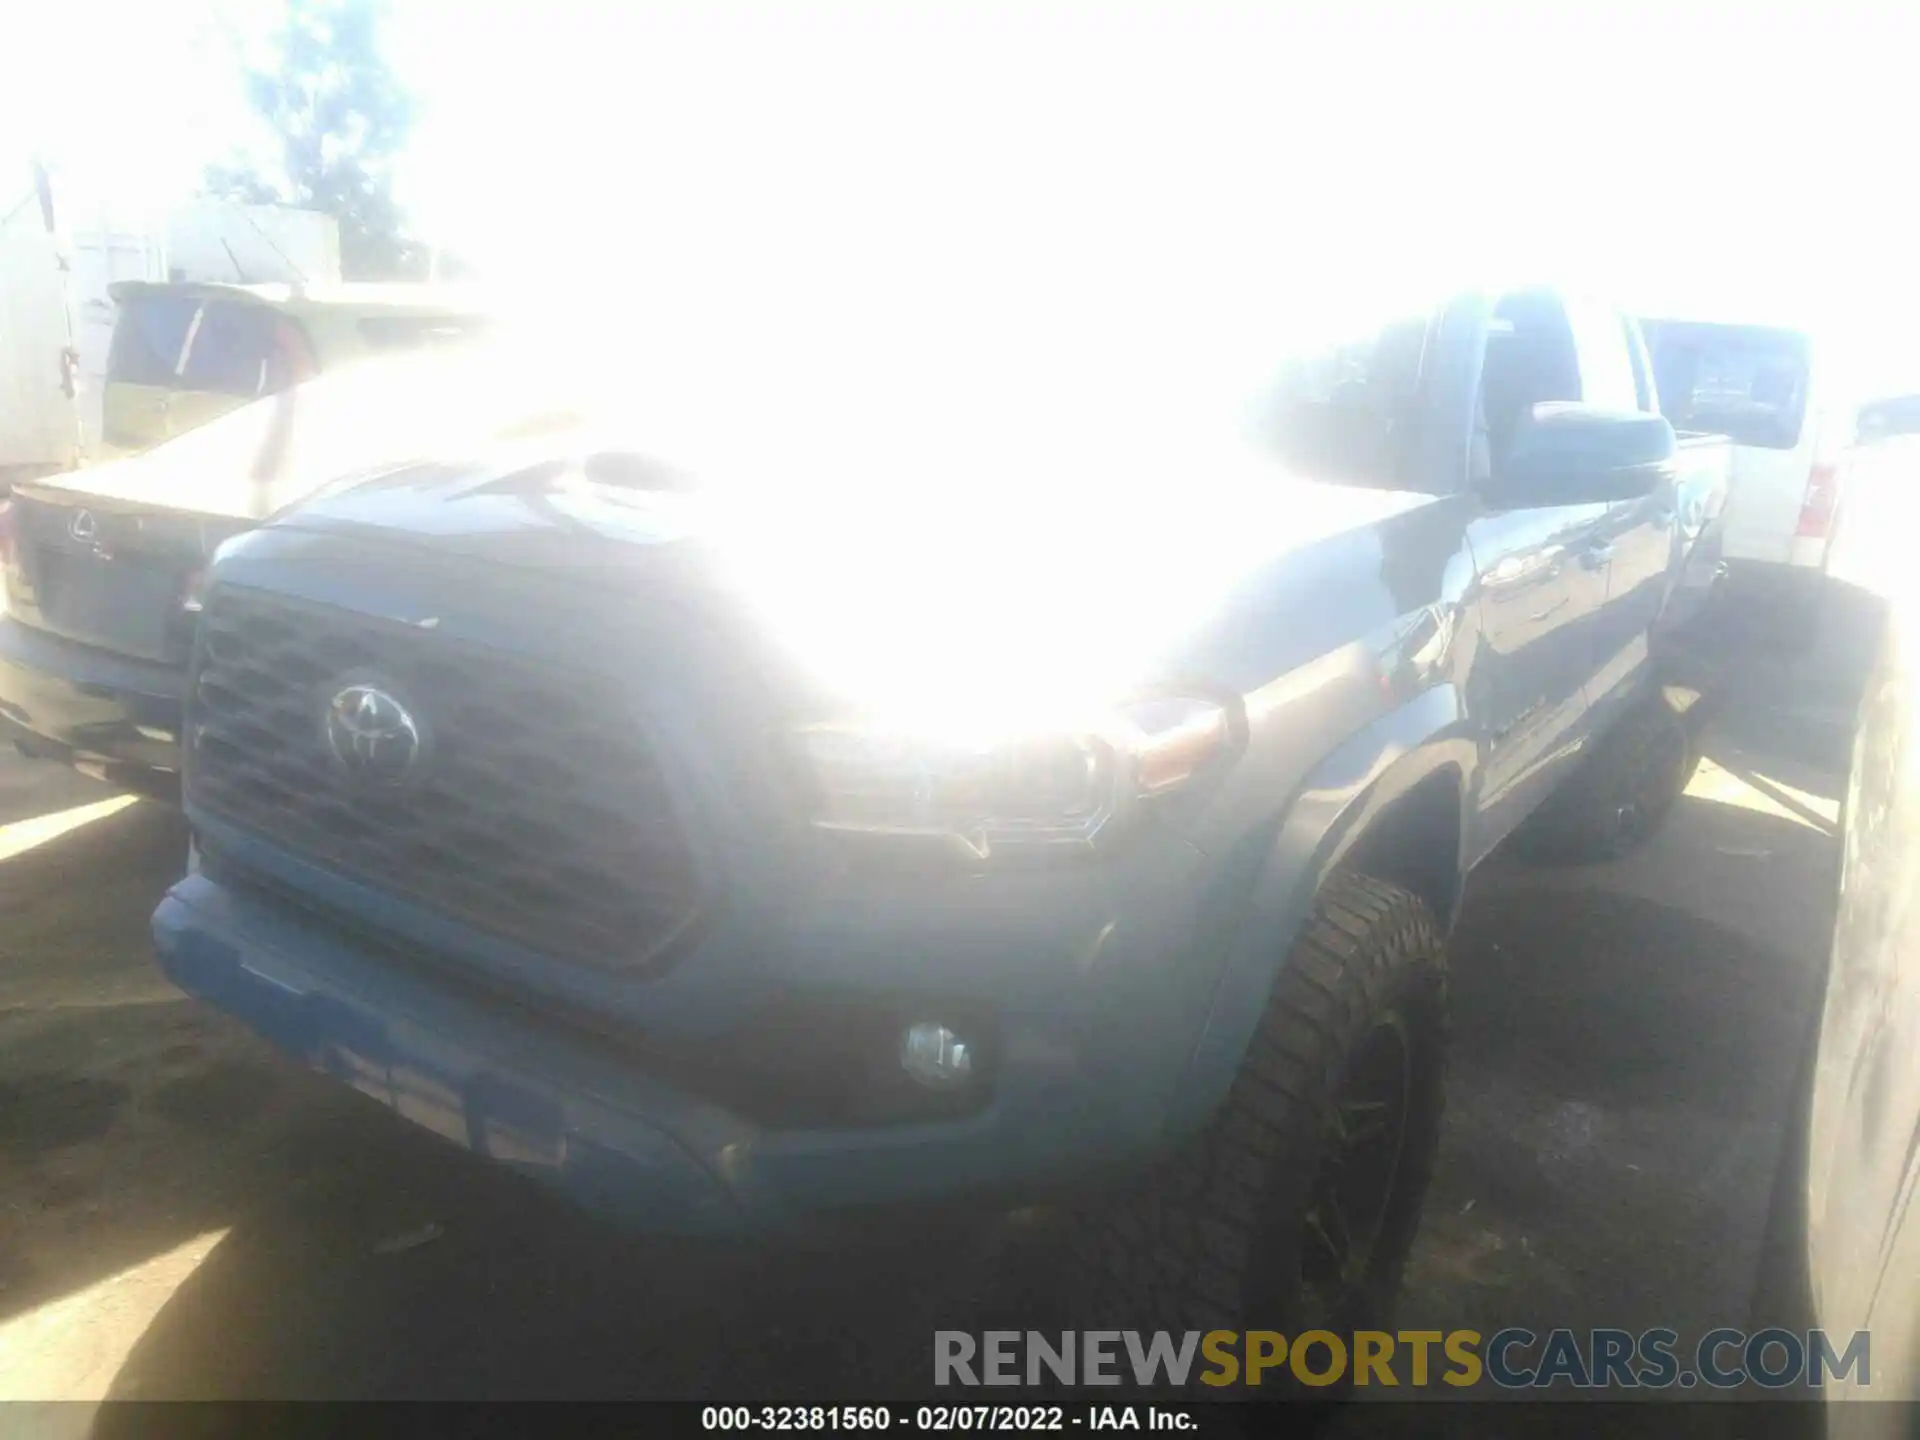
614,493
602,493
616,472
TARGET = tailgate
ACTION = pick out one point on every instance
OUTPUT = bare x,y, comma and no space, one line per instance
107,573
1704,486
1768,487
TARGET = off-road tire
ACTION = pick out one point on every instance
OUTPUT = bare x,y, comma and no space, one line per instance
1621,794
1215,1238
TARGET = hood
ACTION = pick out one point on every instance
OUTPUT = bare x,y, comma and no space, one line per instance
895,588
555,501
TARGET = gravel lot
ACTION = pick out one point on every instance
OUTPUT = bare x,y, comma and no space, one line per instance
184,1214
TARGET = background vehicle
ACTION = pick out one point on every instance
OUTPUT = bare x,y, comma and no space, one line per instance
100,567
1888,417
1844,1236
58,260
783,805
184,353
1791,419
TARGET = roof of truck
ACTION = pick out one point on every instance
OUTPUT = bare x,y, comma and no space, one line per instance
447,299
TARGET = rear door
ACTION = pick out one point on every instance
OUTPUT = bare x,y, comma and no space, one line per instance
1753,384
1640,549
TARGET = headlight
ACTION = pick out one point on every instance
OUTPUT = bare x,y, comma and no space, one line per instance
1052,790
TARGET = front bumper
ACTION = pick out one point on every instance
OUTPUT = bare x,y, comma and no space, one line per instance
105,713
1086,1069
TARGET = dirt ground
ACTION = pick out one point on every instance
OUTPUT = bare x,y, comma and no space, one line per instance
183,1213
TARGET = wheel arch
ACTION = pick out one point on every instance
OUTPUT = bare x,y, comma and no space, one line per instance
1391,801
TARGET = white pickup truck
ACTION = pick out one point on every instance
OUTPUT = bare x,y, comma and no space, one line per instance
1778,396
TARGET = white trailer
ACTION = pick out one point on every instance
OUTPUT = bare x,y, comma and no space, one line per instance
56,316
41,424
252,244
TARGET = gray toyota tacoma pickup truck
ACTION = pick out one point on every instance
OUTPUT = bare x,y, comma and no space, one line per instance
520,805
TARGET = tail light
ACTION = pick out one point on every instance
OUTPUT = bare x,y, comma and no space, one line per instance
1822,502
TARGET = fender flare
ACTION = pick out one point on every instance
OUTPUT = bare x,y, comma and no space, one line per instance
1336,803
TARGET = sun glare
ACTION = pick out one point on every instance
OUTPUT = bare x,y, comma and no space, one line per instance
20,836
74,1348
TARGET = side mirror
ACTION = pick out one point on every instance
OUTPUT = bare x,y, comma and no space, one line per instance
1567,454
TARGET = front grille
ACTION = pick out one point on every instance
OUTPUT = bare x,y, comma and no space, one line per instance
536,811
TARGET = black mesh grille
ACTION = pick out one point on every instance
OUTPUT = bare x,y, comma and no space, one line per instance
537,810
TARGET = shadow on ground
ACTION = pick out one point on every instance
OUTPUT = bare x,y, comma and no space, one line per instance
1624,1057
1621,1069
91,1042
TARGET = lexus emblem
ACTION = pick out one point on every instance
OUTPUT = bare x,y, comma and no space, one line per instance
372,735
83,527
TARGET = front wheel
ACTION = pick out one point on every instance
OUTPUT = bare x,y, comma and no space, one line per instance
1294,1210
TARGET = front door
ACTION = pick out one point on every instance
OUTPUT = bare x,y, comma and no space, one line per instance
1541,582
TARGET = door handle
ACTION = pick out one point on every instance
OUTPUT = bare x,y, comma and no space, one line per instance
1597,555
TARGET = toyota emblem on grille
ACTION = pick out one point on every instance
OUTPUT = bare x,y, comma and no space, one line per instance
83,527
372,735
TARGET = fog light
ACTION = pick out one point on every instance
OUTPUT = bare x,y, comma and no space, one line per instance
935,1056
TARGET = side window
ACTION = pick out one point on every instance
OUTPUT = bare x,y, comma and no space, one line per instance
1531,359
1608,375
1345,410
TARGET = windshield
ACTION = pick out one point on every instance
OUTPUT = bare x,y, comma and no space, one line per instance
1043,398
1342,411
150,338
181,342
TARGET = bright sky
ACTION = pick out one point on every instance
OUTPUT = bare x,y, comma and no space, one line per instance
802,160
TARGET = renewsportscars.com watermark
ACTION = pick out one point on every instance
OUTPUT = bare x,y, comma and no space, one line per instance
1513,1359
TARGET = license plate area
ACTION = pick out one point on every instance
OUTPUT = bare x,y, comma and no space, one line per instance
120,602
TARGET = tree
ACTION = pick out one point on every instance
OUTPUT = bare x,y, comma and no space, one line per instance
338,118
